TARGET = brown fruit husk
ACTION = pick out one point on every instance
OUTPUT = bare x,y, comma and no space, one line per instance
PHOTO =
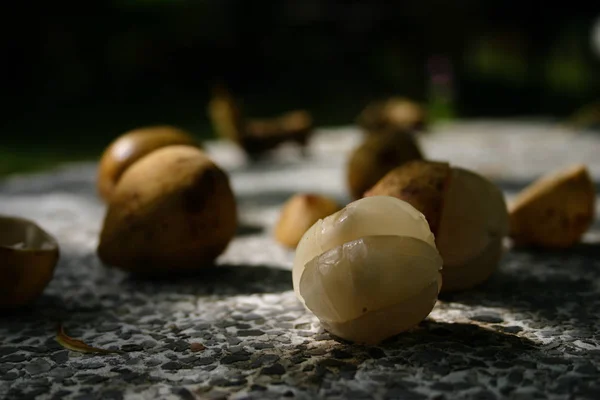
28,257
376,156
554,211
130,147
299,213
172,210
420,183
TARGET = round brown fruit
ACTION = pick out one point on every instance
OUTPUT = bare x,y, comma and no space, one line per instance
172,210
467,214
130,147
376,156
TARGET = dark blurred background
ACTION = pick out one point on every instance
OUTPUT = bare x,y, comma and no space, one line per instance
73,80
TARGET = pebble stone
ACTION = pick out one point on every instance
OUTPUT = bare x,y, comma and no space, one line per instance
530,332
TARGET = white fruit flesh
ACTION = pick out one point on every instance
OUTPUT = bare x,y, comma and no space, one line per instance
370,216
369,271
368,274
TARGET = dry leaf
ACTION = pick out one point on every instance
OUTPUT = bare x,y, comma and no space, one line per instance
197,347
77,345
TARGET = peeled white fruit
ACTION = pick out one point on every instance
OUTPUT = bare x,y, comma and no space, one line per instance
369,271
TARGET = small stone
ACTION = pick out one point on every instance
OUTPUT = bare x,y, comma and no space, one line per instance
550,333
112,394
586,369
4,368
483,395
258,388
92,365
183,393
265,359
299,359
93,380
331,362
148,344
172,366
61,394
85,396
442,386
233,358
526,364
375,352
490,318
554,360
131,347
341,354
316,351
60,357
261,346
233,341
515,376
225,324
6,350
11,376
226,382
158,336
153,362
438,369
61,373
275,369
428,356
204,361
14,358
40,349
243,326
38,367
250,332
502,365
289,393
322,336
303,326
511,329
178,346
133,361
195,347
106,327
251,317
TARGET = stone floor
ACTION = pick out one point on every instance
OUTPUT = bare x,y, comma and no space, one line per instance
532,331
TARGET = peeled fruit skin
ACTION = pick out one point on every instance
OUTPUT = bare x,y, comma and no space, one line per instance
376,156
172,210
468,215
554,211
369,271
130,147
299,213
28,257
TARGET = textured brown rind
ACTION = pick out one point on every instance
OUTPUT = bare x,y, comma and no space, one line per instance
172,210
376,156
420,183
554,211
130,147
